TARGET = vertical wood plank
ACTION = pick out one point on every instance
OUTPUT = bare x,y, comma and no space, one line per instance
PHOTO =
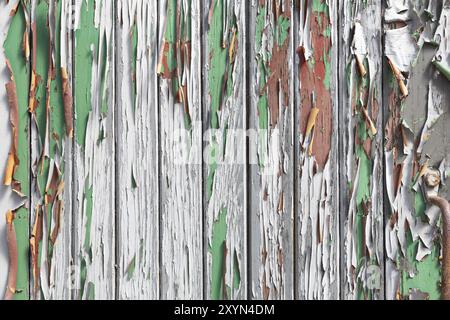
416,99
137,149
317,227
50,237
14,150
62,265
361,155
94,190
224,104
271,150
181,224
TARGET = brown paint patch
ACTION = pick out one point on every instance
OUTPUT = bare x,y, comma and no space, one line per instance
34,77
181,48
312,78
13,159
36,237
67,102
277,85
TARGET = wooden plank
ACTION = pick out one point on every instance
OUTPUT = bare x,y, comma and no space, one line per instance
271,150
224,109
181,224
14,130
67,67
416,100
50,149
361,155
317,212
137,149
94,189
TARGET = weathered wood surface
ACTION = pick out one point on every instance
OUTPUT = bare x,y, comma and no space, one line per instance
361,149
223,149
416,141
224,121
271,150
316,132
137,150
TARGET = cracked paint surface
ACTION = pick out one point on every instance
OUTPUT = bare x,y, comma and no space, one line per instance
18,176
180,150
137,118
224,149
94,207
225,115
413,115
362,190
271,169
48,138
317,232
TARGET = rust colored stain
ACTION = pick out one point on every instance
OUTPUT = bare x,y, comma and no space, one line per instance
67,102
13,159
35,239
181,55
394,121
34,77
163,68
278,82
312,77
13,259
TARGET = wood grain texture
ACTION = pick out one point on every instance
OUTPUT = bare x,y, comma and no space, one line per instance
137,128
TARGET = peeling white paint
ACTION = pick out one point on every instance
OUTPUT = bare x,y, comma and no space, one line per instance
181,184
401,48
364,21
137,148
94,169
318,252
271,192
229,190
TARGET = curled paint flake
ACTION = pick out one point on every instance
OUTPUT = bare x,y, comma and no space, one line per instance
401,49
359,48
13,258
67,102
175,52
35,240
309,134
13,159
400,78
444,205
397,10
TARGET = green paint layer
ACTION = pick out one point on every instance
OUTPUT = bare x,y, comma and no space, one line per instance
86,49
14,53
218,249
